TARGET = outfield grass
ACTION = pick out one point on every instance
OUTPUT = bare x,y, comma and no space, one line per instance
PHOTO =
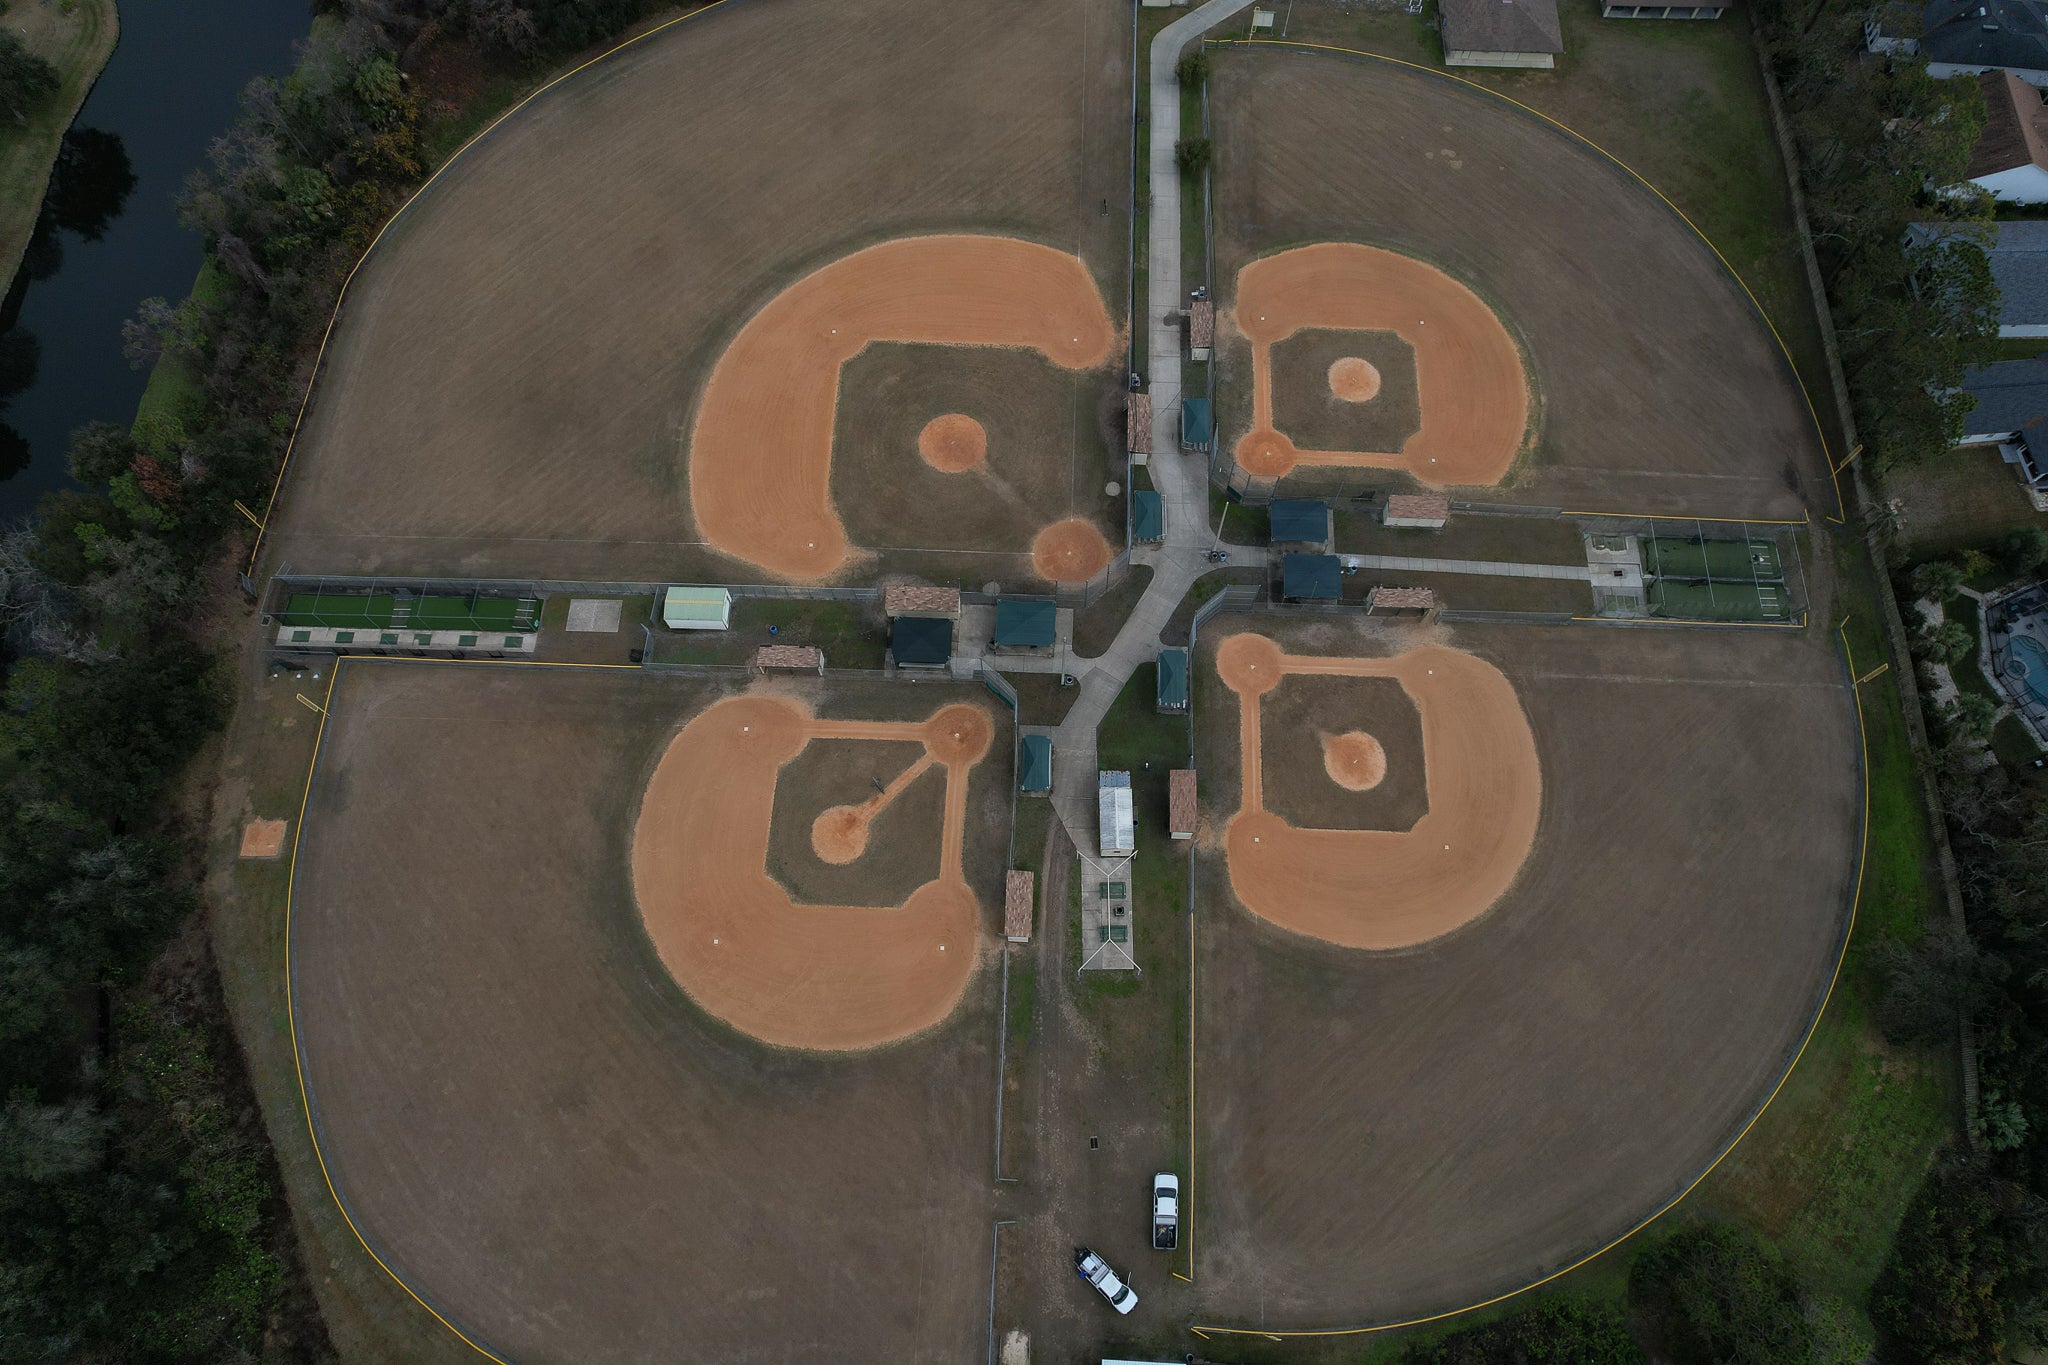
76,38
852,635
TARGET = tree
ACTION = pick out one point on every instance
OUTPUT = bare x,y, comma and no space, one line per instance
1192,68
1962,1278
1718,1296
90,182
1938,580
1564,1329
26,81
1935,984
2022,549
101,452
1191,155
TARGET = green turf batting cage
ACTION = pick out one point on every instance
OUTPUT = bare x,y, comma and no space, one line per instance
1754,560
1719,601
399,611
1735,572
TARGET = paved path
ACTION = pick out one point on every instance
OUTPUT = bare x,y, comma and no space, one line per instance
1491,568
1182,480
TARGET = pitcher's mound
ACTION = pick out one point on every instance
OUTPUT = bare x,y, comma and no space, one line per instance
953,443
1354,760
1354,380
263,838
1070,551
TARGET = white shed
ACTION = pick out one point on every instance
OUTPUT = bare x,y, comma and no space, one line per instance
696,608
1113,809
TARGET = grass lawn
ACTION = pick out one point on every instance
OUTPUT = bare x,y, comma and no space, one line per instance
76,38
174,399
2012,744
1682,104
1040,699
852,634
1959,500
1096,625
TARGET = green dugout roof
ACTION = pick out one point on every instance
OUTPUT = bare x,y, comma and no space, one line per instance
1311,577
1195,426
1299,519
1025,623
1148,515
1034,774
1173,678
921,640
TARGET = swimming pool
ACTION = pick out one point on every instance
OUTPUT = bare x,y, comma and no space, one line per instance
2032,658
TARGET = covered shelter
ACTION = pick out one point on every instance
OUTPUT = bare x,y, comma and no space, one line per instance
1181,808
1311,578
921,641
1025,623
1201,329
1018,892
1148,516
694,607
1197,426
1300,522
1517,33
800,658
1425,511
1034,765
1171,691
1118,828
1138,424
1387,601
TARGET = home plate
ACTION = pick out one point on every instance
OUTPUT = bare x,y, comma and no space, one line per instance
595,615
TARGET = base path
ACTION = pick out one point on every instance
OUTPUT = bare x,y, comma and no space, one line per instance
1472,390
1380,888
761,449
826,977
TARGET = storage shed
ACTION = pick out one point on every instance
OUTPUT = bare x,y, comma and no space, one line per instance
1300,522
1034,765
1138,425
1201,329
1025,623
1119,829
1171,693
1311,578
1148,516
690,607
1197,428
920,599
1523,33
921,641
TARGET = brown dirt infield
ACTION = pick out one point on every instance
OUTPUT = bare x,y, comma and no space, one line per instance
1354,760
953,443
1070,551
760,451
823,977
1475,397
1353,379
263,838
1377,888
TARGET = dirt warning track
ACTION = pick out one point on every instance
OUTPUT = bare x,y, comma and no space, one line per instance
1379,888
761,448
826,977
1474,395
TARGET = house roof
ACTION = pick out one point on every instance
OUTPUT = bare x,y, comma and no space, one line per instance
2015,127
1035,774
1316,577
1501,25
2018,253
921,639
1173,677
789,656
1148,515
1299,519
2010,395
1180,801
1017,897
1195,427
1409,599
901,597
1202,323
1138,423
1025,622
1419,506
1999,33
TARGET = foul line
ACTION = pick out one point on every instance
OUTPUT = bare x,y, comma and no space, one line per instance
1834,979
341,295
1841,515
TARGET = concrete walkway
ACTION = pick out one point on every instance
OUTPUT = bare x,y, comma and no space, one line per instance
1182,480
1489,568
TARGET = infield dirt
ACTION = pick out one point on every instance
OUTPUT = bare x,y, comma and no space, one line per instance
1657,387
1409,1132
519,362
527,1118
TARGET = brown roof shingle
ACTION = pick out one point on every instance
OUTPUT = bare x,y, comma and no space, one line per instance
1501,25
1138,424
1420,506
901,598
1017,895
1181,805
1202,323
1412,599
2015,126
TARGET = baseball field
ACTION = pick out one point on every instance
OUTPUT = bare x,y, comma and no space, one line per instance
1541,1065
546,1105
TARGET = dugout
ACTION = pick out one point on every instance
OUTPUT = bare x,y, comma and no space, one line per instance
1148,516
1025,625
1197,425
921,641
1170,692
1311,578
1302,524
1034,766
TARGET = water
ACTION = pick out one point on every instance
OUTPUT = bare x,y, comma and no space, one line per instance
174,85
2033,662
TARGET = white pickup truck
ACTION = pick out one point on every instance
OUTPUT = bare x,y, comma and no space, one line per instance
1096,1271
1165,1212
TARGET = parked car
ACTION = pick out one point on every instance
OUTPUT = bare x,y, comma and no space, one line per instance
1096,1271
1165,1211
